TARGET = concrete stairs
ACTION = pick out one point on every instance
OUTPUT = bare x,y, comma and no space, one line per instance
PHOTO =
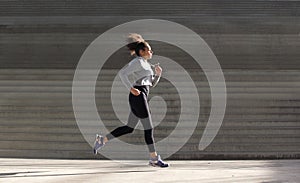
261,119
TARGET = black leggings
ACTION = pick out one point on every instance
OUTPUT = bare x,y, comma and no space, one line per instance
139,111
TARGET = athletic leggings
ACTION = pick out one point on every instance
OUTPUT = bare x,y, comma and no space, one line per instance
139,111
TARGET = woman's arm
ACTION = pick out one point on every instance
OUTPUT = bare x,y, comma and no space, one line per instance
126,71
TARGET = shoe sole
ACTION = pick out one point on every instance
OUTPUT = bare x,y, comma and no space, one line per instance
154,165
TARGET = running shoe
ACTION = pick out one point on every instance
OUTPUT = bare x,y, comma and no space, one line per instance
98,143
158,162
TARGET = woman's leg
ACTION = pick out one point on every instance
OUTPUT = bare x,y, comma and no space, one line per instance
148,135
132,122
139,106
101,141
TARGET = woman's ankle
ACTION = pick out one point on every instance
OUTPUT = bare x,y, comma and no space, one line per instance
105,140
153,155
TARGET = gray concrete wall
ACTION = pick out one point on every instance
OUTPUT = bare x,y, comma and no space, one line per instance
257,44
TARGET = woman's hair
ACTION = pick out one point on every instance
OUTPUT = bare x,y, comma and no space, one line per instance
133,40
141,46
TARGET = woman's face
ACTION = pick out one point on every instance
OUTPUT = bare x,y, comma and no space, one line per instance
147,53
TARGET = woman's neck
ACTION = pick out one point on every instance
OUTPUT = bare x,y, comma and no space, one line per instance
144,58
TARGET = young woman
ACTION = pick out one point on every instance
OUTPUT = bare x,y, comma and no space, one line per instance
144,76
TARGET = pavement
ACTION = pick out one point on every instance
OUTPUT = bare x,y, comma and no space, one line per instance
56,171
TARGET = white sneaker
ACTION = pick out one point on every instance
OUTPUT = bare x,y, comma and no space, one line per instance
98,143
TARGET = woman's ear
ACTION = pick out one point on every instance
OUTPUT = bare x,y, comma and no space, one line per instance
141,52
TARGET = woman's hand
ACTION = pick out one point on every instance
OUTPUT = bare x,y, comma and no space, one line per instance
158,70
135,91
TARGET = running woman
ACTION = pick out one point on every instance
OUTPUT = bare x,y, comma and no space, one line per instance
144,76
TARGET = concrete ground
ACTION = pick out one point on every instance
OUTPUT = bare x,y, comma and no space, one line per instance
48,171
